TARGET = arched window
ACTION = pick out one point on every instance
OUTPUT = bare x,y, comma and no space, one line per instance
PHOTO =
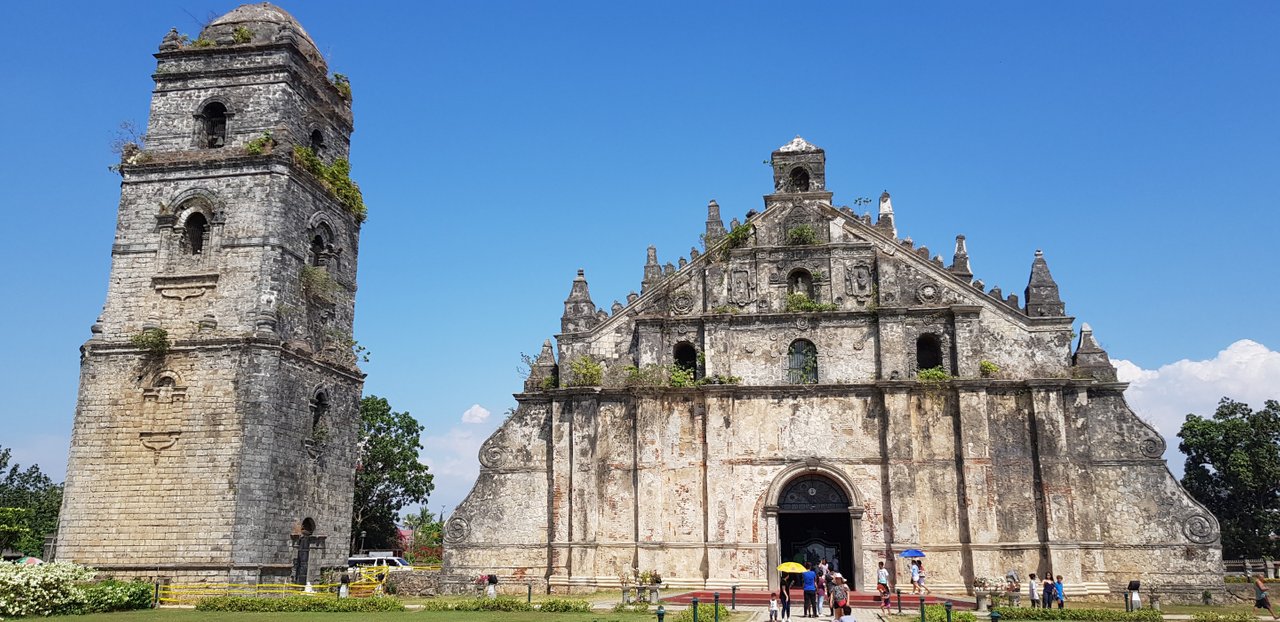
802,362
928,351
686,357
308,526
319,408
799,179
321,245
194,233
317,142
214,130
800,282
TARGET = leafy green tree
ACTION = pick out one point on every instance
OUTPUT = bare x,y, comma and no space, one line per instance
1233,468
29,505
428,529
388,475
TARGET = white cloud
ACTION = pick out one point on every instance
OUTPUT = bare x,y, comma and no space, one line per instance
453,459
1246,371
475,414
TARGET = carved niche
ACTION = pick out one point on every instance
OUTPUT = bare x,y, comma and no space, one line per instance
742,289
859,281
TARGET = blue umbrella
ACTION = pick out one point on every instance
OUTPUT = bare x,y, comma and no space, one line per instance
909,553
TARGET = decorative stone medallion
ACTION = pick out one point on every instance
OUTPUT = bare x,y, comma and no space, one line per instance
682,303
928,293
456,529
1152,447
1199,529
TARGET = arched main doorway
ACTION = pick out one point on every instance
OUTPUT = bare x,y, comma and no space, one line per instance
813,523
814,511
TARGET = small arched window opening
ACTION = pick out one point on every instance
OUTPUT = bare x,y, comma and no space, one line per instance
164,382
928,352
308,526
215,126
317,142
686,357
194,233
321,245
319,408
802,362
800,282
799,179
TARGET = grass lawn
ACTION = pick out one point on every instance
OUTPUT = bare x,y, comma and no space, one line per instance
189,615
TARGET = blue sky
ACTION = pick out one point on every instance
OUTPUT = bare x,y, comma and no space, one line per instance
503,145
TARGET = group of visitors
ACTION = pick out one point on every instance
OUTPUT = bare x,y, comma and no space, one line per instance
820,585
1046,591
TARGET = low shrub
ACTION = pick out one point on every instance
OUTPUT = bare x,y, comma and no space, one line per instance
1089,615
933,374
111,595
799,302
631,608
706,611
1210,616
565,605
587,372
802,235
318,603
153,340
41,590
938,613
501,603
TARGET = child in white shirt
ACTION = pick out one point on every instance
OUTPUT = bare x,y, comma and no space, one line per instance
773,607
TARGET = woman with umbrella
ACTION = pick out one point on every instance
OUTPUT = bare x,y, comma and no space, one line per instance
917,569
784,588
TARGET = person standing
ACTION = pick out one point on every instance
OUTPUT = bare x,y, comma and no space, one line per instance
882,576
915,577
1057,591
1047,598
1260,600
839,593
784,599
773,607
920,577
810,585
821,591
1035,590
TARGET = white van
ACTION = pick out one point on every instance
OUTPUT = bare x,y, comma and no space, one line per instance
388,561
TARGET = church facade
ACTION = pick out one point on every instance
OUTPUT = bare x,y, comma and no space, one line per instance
812,385
216,421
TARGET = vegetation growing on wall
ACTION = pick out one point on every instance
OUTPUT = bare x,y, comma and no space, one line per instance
154,341
336,178
800,302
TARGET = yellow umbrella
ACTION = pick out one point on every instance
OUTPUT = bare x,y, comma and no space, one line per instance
791,567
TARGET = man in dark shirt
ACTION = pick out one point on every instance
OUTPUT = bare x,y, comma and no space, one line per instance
810,591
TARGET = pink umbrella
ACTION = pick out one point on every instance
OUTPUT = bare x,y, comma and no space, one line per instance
30,561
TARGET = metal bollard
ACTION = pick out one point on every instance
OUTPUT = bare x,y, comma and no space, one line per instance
695,608
899,600
529,598
947,605
922,608
662,613
715,612
733,599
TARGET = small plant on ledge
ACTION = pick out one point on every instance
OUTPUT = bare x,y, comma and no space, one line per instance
799,302
988,369
933,375
154,340
736,238
318,285
586,372
242,35
802,235
260,145
343,84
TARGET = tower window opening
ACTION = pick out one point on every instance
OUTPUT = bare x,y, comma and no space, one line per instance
317,142
799,179
686,357
195,233
321,246
800,282
215,126
319,408
928,352
802,362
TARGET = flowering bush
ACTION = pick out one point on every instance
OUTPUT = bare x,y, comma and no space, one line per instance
109,595
41,590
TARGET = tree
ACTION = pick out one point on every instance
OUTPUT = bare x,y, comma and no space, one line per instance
29,505
428,529
1233,468
388,474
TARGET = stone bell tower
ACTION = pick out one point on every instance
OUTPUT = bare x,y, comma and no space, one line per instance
217,415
